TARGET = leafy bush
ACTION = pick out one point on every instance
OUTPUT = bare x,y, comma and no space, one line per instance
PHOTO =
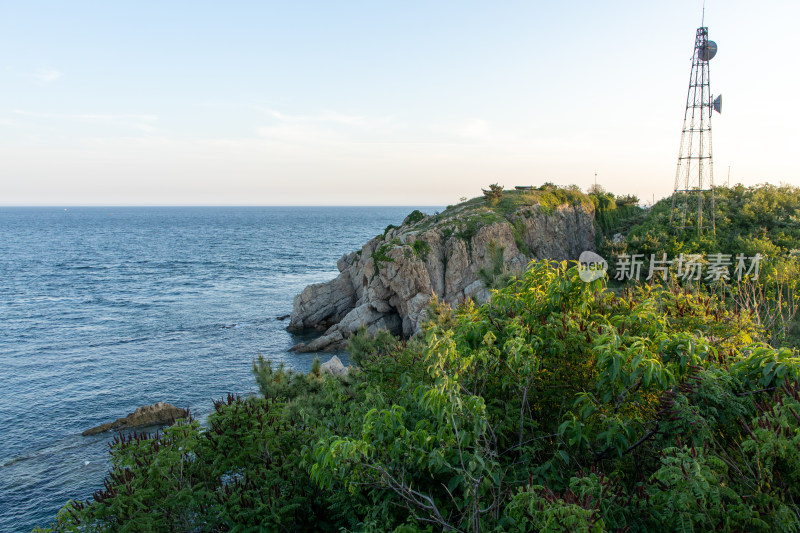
473,443
421,249
415,216
388,228
559,404
494,194
380,255
627,200
497,275
762,219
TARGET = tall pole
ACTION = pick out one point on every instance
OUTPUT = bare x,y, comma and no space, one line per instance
694,177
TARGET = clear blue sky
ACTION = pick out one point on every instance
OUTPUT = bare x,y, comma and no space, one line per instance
379,102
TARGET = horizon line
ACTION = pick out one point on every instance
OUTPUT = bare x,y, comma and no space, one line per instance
66,206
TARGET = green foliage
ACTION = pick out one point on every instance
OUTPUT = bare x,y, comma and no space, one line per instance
388,228
362,345
421,249
615,215
518,231
468,230
538,508
551,198
630,376
596,190
762,219
496,276
239,473
494,194
447,232
559,405
415,216
438,314
688,493
505,208
380,255
627,200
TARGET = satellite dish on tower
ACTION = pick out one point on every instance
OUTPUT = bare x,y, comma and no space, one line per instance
717,104
707,51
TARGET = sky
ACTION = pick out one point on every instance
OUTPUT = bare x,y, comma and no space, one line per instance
380,103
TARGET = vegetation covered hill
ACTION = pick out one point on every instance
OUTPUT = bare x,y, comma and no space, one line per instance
760,219
558,406
458,254
763,219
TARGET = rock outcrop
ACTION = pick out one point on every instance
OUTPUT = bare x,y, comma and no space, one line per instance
389,282
160,413
334,367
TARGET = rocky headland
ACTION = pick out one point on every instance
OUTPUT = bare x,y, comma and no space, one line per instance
457,254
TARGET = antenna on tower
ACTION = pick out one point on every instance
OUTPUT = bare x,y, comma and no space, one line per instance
703,18
693,196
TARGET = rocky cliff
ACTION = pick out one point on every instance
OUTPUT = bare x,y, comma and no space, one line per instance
389,282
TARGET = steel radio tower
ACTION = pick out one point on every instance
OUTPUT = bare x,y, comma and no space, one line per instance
693,197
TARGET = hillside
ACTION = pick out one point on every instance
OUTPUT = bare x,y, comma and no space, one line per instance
759,219
458,254
762,220
557,406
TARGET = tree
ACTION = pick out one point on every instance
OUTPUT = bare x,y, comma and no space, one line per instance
596,189
494,194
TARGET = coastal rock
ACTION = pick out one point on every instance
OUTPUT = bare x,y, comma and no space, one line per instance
160,413
389,282
333,367
323,304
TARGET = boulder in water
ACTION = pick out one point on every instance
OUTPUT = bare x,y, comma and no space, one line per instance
160,413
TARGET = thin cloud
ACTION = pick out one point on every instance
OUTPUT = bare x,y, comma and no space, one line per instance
323,128
47,75
329,127
331,117
144,123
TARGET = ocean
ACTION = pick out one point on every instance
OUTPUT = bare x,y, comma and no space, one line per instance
105,309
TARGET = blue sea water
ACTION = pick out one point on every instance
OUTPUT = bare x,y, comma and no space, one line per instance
104,309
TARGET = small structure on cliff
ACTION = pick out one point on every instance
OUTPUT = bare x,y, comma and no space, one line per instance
389,282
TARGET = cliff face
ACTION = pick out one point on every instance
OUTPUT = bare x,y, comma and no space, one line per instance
389,282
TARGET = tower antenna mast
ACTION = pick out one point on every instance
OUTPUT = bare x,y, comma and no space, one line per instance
693,195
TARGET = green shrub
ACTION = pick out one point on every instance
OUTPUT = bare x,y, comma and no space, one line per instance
421,249
494,194
518,230
389,227
415,216
496,276
380,255
558,404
